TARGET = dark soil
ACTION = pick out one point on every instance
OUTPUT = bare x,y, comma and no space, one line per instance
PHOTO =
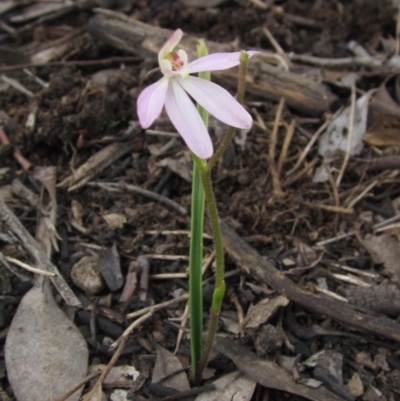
75,118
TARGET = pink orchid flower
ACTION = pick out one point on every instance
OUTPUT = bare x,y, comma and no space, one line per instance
172,92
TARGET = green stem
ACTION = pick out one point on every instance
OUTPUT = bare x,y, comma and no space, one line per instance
219,290
202,169
195,267
196,246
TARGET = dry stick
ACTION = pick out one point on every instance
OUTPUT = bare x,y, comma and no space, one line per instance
79,63
29,268
235,300
277,190
77,386
140,191
363,193
259,4
182,328
167,276
285,147
335,193
378,227
37,253
254,265
391,162
16,85
129,329
333,185
370,62
277,48
390,227
349,136
173,232
307,169
311,143
157,307
329,208
12,269
121,344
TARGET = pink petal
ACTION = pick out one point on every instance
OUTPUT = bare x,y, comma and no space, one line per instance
217,62
187,121
151,101
217,101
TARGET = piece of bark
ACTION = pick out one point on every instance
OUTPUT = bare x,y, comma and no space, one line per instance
264,80
95,165
254,265
268,373
379,298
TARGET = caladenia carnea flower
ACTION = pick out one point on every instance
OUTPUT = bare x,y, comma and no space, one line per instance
174,88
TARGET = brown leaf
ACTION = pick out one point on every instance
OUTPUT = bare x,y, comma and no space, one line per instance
45,353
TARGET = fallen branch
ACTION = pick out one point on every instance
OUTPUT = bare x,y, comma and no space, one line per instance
254,265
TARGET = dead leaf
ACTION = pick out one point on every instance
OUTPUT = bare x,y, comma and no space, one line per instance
230,321
383,103
117,374
167,364
115,220
355,386
385,249
234,385
110,268
383,130
265,309
336,135
180,166
45,353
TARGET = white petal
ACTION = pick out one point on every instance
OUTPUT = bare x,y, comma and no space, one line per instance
187,121
151,101
217,101
217,62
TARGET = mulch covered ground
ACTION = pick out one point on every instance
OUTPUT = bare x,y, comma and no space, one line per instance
310,209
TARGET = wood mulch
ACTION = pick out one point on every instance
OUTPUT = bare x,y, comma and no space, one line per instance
312,240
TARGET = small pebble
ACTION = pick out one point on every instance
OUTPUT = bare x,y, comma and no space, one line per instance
86,275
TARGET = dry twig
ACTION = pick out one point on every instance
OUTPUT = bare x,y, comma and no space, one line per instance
277,189
349,135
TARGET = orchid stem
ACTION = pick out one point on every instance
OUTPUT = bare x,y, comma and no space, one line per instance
219,289
203,169
244,57
196,245
195,268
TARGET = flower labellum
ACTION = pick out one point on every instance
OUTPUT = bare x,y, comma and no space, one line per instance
173,89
